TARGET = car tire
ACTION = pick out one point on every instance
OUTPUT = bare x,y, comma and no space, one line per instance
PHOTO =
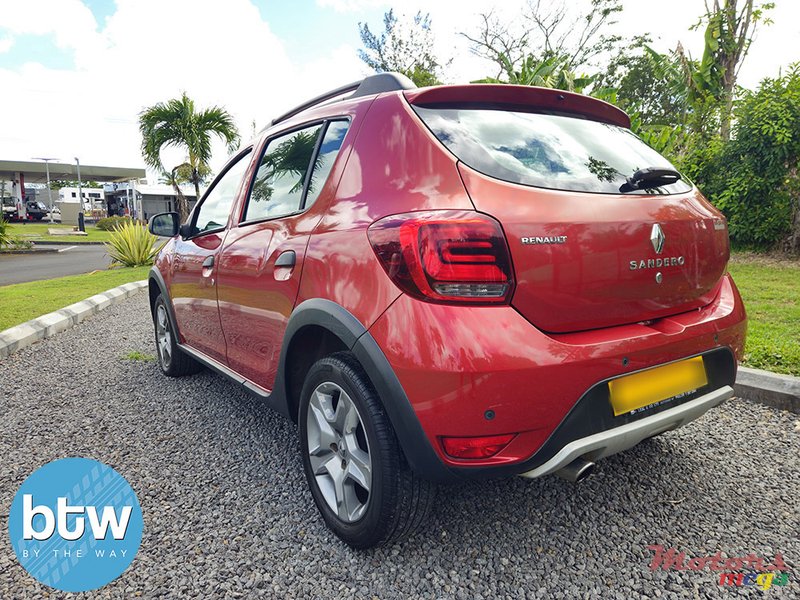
356,471
173,361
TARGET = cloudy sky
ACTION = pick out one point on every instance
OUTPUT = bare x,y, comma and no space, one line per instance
74,74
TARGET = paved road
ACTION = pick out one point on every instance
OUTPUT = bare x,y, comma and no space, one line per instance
70,260
227,512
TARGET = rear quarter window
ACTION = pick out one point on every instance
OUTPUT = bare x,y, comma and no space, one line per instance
545,150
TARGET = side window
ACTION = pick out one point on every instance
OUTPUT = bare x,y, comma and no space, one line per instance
278,184
328,151
213,212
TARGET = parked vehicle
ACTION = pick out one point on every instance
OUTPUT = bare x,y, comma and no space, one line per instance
36,210
9,209
448,283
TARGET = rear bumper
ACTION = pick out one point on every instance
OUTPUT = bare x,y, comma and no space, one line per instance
477,371
608,442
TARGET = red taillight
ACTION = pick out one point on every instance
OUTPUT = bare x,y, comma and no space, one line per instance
445,256
476,447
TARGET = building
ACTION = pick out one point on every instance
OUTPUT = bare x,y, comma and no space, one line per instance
14,175
144,200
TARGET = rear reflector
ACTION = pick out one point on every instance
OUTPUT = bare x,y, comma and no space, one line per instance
445,256
476,447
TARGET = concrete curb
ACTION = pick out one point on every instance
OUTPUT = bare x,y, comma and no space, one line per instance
29,251
771,389
19,337
62,243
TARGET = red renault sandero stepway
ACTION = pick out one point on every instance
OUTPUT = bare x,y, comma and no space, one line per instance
451,282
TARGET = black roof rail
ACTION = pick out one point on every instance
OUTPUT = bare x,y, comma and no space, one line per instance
374,84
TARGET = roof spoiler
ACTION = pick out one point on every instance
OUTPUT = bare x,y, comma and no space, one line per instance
374,84
520,97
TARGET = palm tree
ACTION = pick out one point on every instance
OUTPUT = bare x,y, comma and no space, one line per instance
177,123
175,179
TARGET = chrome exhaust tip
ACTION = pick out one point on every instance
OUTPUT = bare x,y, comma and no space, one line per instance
578,470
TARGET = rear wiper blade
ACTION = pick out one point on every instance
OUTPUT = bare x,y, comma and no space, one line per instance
648,178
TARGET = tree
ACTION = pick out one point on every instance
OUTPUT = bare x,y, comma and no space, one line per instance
653,89
647,82
404,46
545,30
175,178
177,123
57,184
755,177
729,29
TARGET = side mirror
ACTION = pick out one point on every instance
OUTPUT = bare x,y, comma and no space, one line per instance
164,224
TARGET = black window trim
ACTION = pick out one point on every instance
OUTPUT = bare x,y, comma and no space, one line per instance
199,202
325,123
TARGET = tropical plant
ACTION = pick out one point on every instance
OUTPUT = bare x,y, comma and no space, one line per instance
729,29
183,174
179,124
5,236
131,245
551,72
289,157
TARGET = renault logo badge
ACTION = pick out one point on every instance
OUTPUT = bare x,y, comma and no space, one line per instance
657,238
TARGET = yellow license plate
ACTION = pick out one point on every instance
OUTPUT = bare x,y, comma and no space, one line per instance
642,389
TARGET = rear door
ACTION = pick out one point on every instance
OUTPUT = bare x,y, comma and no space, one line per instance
589,251
262,258
194,277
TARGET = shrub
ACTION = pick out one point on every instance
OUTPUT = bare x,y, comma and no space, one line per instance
753,178
5,236
112,223
132,245
16,243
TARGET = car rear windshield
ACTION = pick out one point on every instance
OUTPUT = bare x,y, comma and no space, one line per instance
546,150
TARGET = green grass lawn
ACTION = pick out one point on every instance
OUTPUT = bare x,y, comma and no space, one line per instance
771,292
770,288
37,232
22,302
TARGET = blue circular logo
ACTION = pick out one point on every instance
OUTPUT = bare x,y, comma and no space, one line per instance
75,524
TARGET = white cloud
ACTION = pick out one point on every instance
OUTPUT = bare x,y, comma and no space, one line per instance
151,50
225,57
70,21
351,5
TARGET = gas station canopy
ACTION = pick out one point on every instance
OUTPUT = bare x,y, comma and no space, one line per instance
35,172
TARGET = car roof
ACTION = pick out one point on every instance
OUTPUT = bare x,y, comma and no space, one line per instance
348,97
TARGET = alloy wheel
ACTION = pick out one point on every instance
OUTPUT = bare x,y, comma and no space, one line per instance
339,451
163,336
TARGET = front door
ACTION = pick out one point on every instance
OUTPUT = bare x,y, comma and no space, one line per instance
194,273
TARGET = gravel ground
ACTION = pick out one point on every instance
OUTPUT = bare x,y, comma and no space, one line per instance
227,512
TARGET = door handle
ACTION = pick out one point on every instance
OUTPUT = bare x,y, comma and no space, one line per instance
208,262
286,259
